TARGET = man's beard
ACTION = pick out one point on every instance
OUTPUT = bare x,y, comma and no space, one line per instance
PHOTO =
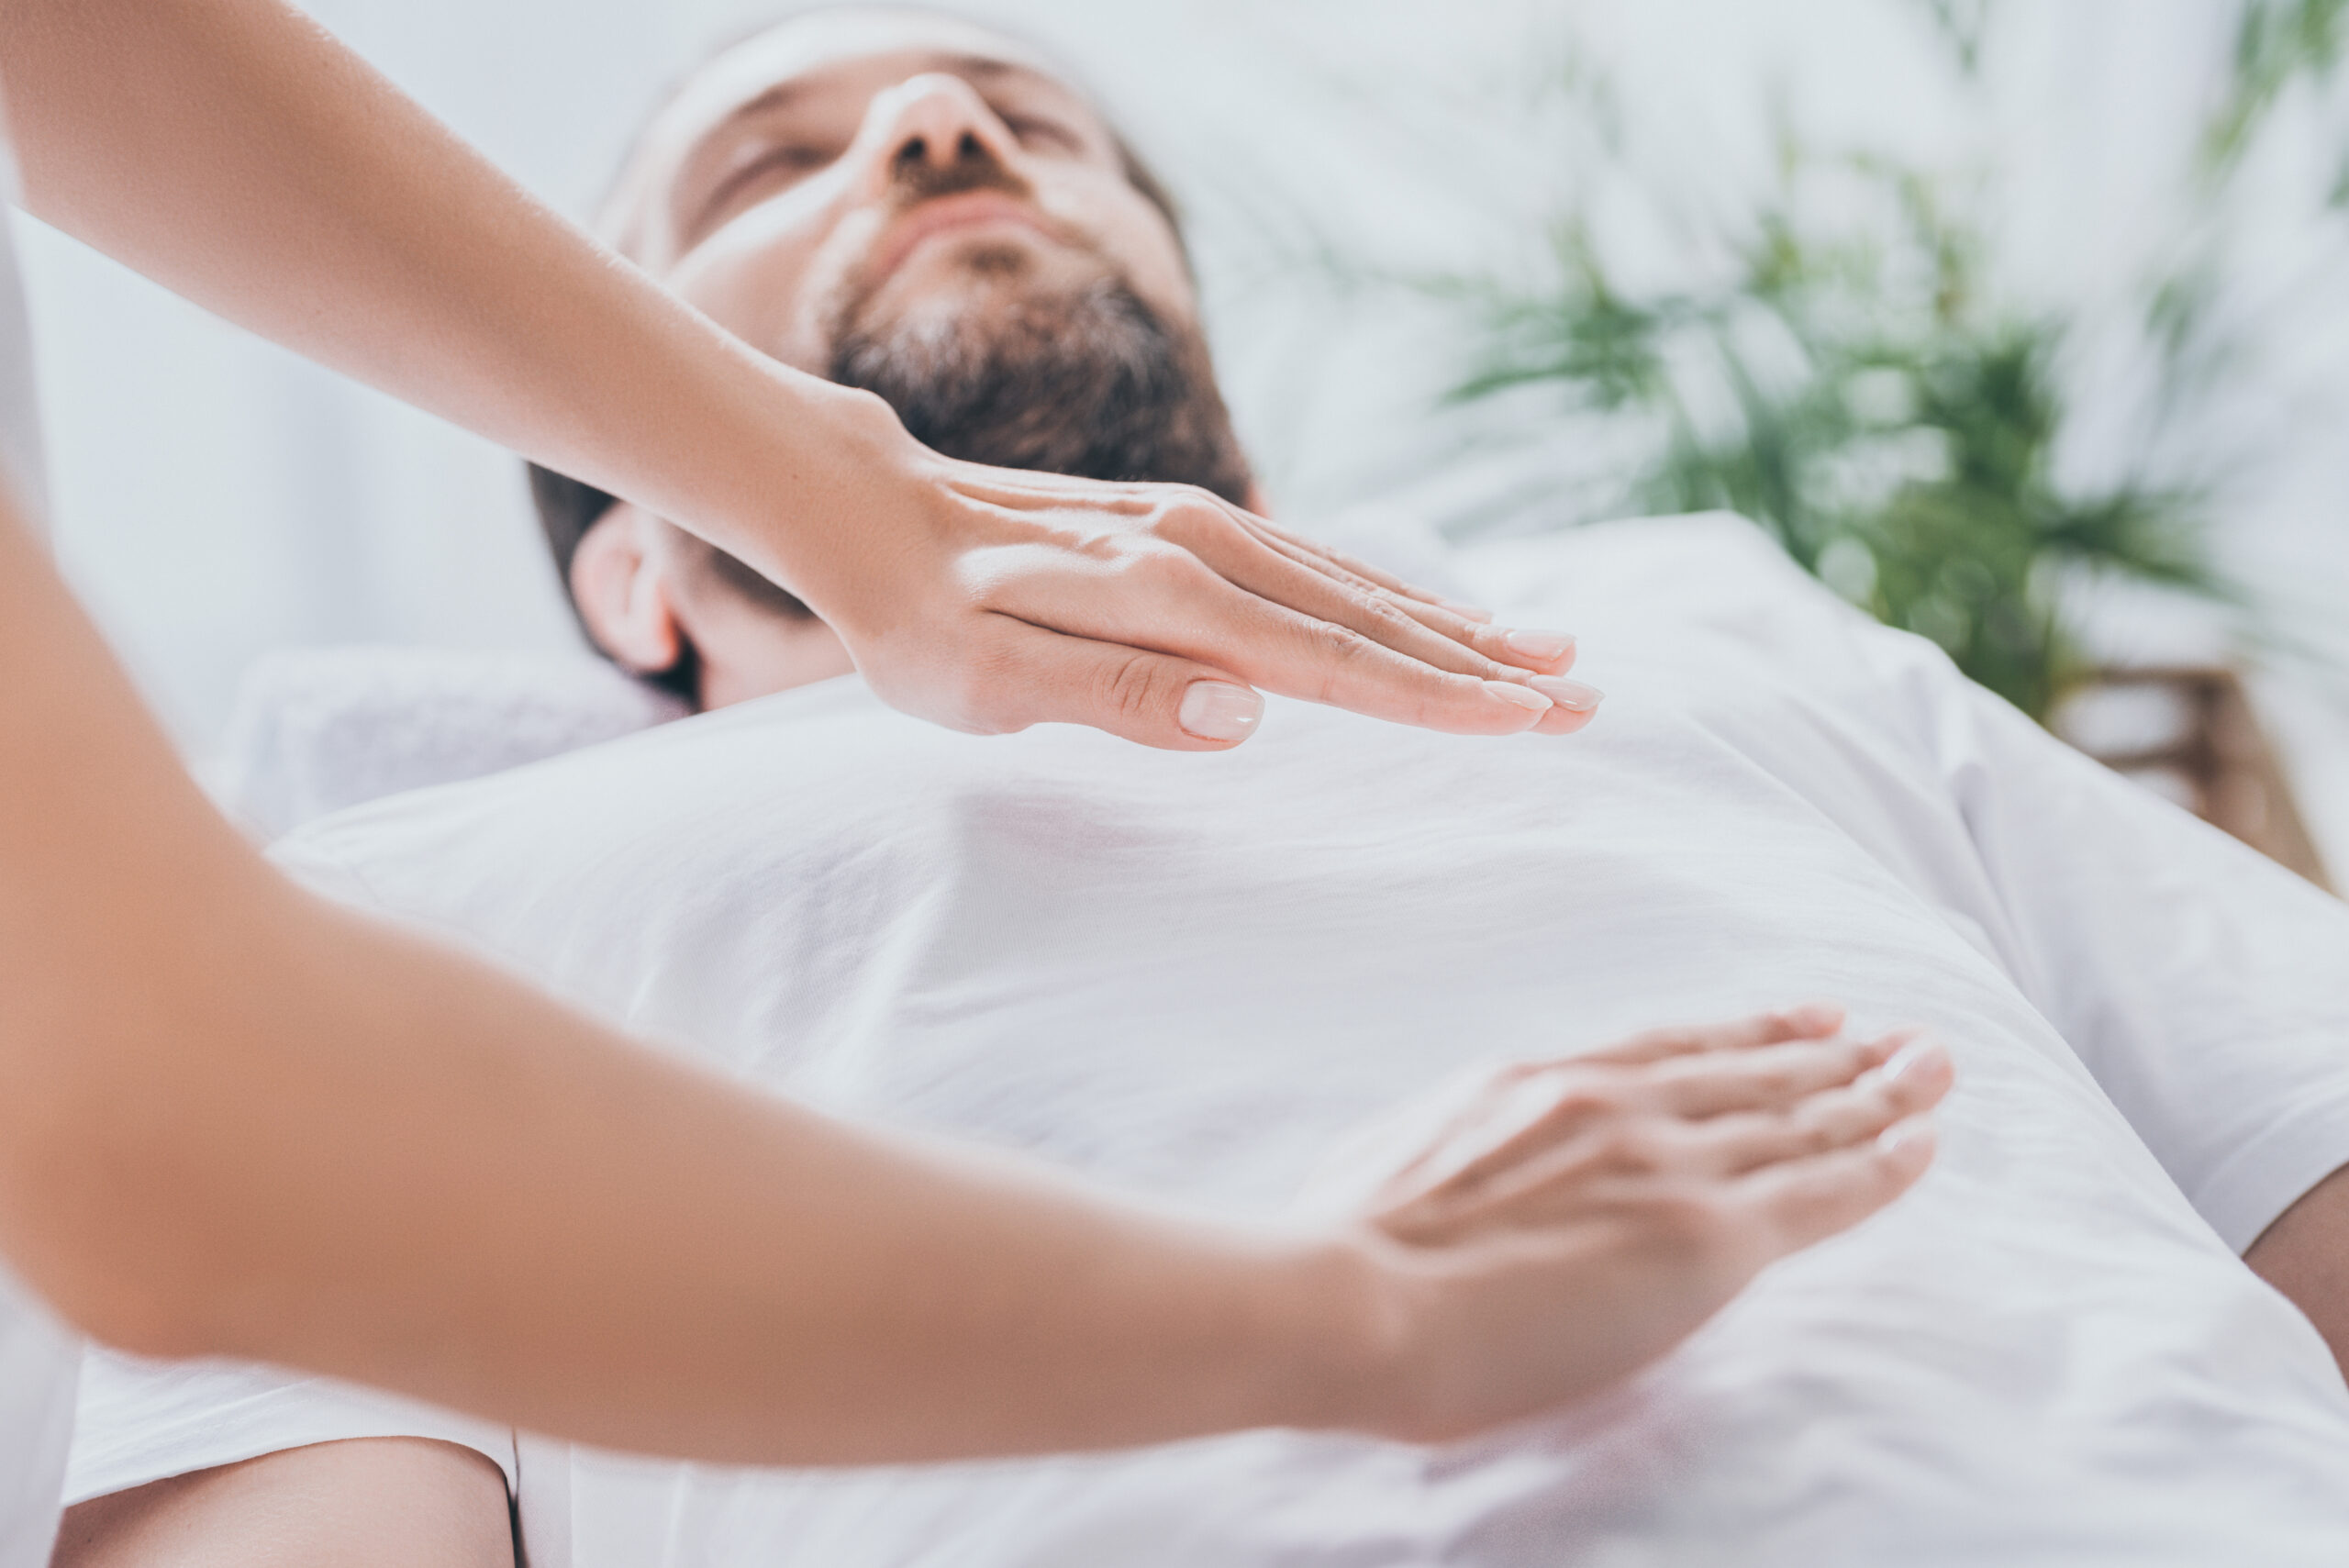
1083,379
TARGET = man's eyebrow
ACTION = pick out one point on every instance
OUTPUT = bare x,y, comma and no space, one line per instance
990,68
979,65
982,65
775,97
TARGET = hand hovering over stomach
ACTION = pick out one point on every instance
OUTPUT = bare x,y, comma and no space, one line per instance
1548,1229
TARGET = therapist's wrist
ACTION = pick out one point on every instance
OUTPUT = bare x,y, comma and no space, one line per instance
796,476
1336,1339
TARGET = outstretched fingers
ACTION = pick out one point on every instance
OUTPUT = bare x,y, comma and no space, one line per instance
1797,1203
1767,1060
1630,1220
1317,654
1763,1077
1911,1084
1184,575
1157,699
1509,651
1355,566
1537,1134
1808,1020
1020,489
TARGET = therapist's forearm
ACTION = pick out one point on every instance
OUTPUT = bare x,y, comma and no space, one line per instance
235,1120
233,152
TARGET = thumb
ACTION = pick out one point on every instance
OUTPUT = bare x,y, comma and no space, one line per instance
1156,699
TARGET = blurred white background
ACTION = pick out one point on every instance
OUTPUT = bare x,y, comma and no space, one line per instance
216,498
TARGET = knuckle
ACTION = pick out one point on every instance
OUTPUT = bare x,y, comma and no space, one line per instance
1189,515
1805,1136
1343,645
1687,1218
979,691
1161,567
1340,653
1578,1102
1134,687
1629,1146
1387,617
1337,642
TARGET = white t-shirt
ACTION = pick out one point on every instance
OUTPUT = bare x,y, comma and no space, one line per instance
37,1361
1185,974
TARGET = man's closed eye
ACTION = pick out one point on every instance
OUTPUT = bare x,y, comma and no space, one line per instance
769,172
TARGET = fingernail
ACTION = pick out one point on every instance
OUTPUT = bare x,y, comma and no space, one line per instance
1815,1016
1218,710
1520,696
1549,646
1473,612
1901,1134
1571,695
1905,1060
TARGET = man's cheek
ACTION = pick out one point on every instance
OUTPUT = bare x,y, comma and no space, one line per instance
1132,235
752,292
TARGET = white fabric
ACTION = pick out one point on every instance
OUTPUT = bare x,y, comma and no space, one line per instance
320,729
23,460
1185,974
141,1420
36,1366
37,1361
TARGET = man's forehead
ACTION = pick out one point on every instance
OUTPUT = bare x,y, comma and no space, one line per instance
810,49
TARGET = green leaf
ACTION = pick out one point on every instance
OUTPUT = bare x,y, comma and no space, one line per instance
1907,457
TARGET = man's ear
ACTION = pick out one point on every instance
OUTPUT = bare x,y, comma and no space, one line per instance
620,581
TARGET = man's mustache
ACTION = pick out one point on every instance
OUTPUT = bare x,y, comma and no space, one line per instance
916,178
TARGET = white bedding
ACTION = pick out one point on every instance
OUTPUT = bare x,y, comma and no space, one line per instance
318,729
1185,974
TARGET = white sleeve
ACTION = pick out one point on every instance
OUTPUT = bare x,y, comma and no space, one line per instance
2205,987
141,1421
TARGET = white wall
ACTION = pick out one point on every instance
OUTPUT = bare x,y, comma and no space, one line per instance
217,498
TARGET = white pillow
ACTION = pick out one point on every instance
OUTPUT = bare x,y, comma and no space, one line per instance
318,729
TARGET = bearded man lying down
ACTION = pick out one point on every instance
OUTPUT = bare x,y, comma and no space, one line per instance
1186,975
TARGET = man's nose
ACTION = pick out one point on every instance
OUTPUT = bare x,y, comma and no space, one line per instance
928,124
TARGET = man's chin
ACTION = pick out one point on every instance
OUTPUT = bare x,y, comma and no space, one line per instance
1023,354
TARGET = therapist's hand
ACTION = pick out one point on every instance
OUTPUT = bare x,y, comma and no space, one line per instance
990,599
1549,1228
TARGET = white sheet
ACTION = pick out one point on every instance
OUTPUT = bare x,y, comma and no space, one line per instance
1184,974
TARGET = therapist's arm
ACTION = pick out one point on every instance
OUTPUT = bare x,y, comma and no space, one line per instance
234,151
237,1120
